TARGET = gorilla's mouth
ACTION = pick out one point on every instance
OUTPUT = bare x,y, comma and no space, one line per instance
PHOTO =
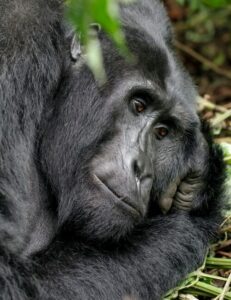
124,203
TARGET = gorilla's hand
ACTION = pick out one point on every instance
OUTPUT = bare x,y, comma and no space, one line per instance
187,191
180,193
183,191
165,202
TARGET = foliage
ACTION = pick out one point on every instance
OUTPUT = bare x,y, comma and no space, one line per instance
105,13
197,4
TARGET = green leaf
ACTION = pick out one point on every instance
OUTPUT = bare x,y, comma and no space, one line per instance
216,3
83,13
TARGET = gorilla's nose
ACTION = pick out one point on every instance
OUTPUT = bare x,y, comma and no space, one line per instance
141,167
137,168
142,175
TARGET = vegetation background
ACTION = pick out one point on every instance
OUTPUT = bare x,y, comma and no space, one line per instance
203,40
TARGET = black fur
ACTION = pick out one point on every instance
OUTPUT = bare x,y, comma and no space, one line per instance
31,61
54,121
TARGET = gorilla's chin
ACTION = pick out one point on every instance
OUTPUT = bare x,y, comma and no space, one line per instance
103,213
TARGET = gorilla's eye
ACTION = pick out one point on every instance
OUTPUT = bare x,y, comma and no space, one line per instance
138,105
161,132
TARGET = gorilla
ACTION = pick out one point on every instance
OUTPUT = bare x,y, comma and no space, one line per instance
106,191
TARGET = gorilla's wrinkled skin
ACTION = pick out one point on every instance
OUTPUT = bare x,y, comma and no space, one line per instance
85,170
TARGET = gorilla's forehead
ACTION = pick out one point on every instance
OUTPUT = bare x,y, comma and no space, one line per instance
149,40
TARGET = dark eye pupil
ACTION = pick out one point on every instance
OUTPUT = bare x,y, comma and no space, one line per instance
139,106
162,132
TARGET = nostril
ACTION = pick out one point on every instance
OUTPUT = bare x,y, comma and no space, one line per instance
137,169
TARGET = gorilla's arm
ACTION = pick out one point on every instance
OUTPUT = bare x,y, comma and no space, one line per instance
152,260
30,68
149,265
145,266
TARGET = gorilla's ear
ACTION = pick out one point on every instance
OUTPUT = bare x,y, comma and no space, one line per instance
75,47
74,39
95,29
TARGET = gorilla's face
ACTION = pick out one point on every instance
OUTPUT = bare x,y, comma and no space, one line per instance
148,148
119,146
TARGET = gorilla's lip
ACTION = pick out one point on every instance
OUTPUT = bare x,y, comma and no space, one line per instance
123,202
